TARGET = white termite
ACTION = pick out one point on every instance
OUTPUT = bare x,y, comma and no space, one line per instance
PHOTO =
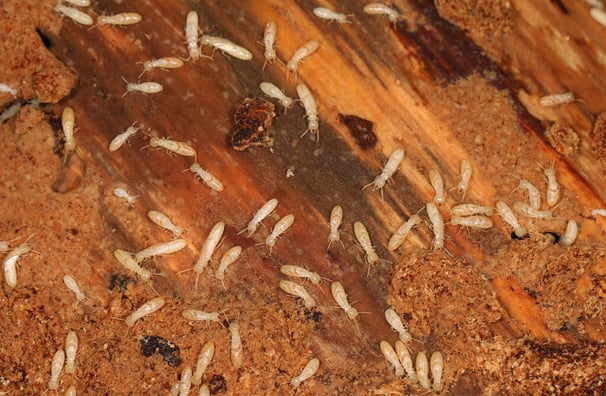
122,193
363,238
56,369
400,234
390,355
570,235
436,366
173,146
168,62
204,358
466,169
72,285
128,262
510,218
336,218
598,212
78,3
259,215
595,3
185,381
71,348
468,209
236,350
274,92
279,228
74,14
302,52
227,46
438,186
269,39
474,221
68,121
553,187
389,169
148,87
300,272
394,320
534,195
204,390
340,296
147,308
599,15
5,246
382,9
123,18
208,248
192,29
8,89
10,263
71,391
528,211
308,371
174,390
325,13
437,223
557,99
311,110
123,137
406,361
294,289
197,315
208,178
164,221
422,367
160,249
228,258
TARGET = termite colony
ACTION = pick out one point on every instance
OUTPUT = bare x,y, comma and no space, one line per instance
464,214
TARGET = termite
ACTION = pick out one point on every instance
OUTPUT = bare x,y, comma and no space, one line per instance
185,381
388,170
173,146
527,210
400,234
174,390
68,124
79,3
599,15
227,259
438,185
274,92
147,308
363,238
534,196
71,284
437,223
336,218
204,390
168,62
557,99
279,228
297,290
300,272
598,212
392,358
395,322
191,35
204,358
436,365
422,367
325,13
208,178
474,221
466,169
71,391
122,193
123,18
338,293
382,9
208,248
570,235
123,137
127,260
308,371
553,188
71,348
259,215
10,263
164,221
507,215
311,111
406,361
269,39
56,368
160,249
302,52
228,47
468,209
8,89
236,350
74,14
197,315
148,87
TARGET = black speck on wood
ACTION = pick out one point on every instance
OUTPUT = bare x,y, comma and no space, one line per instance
361,130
